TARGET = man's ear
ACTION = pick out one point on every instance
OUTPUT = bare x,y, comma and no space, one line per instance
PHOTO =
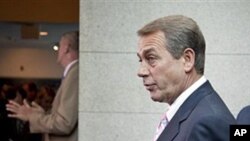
66,50
189,59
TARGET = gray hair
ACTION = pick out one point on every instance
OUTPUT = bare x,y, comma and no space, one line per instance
180,33
73,37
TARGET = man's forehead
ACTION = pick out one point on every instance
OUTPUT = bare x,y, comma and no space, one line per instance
145,50
151,42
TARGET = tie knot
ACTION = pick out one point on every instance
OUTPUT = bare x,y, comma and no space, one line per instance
163,122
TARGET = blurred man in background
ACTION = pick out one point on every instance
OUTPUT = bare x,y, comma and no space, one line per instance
61,123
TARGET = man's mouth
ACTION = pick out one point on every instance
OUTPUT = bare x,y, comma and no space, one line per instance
149,87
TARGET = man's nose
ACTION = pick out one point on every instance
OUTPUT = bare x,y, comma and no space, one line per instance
143,70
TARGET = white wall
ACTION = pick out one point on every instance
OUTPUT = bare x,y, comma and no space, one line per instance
113,103
37,63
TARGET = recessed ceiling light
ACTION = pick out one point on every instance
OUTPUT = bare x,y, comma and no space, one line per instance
43,33
55,47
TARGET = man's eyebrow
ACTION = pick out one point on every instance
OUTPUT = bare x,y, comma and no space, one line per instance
146,51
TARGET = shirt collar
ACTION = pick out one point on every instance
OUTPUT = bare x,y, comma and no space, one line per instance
68,67
172,109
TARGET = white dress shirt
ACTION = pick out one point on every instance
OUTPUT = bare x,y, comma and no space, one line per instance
172,109
68,67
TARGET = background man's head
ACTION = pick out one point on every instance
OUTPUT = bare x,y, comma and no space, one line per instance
68,48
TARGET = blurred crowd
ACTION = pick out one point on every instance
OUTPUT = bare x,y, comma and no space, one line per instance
14,129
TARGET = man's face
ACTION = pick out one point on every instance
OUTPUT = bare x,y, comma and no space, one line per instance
162,74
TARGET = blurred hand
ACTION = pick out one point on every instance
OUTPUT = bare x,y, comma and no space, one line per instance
23,112
37,108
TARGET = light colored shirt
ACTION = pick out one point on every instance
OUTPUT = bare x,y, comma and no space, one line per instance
68,67
163,123
172,109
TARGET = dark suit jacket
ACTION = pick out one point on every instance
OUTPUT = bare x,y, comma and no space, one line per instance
202,117
244,116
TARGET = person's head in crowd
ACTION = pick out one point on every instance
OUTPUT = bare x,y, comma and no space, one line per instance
22,93
31,90
2,95
68,48
45,97
11,92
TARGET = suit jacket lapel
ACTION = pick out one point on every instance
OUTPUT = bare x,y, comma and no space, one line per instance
60,89
184,111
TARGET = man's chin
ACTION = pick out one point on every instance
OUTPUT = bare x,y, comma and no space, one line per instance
156,98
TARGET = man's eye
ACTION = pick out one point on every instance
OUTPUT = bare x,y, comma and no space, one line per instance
151,59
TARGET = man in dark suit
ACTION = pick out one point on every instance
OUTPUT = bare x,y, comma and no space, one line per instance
172,55
244,116
61,123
